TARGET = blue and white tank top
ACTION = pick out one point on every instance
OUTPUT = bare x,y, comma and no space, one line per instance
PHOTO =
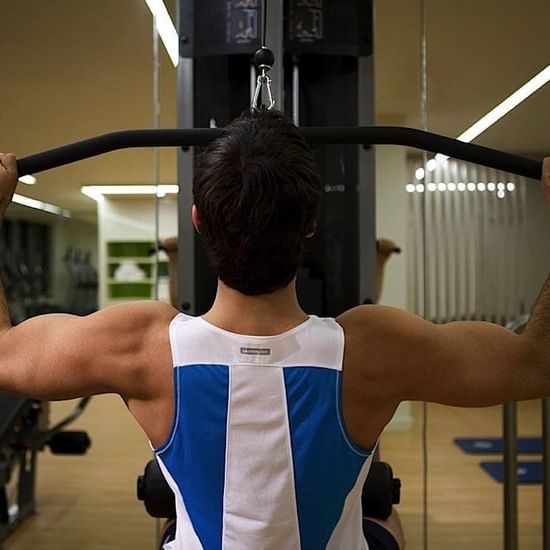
258,456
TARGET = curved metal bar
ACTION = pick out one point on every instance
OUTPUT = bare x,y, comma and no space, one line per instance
365,135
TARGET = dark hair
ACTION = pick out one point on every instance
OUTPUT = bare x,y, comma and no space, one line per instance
257,189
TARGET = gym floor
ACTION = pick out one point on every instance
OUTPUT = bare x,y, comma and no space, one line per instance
89,502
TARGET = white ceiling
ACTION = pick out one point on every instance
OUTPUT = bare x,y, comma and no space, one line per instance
73,69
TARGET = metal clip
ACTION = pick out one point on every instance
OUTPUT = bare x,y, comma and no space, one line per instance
263,80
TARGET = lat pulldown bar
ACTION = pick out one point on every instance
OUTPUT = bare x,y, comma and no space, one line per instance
365,135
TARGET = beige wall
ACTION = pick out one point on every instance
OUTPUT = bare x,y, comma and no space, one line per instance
391,219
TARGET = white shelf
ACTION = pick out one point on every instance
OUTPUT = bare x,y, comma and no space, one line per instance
141,282
137,259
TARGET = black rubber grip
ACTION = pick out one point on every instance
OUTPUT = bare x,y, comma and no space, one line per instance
365,135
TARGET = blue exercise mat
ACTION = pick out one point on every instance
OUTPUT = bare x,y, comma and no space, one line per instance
528,472
488,445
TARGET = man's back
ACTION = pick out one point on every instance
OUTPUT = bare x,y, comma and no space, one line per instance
259,455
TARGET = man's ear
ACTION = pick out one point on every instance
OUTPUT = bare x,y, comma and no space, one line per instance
196,218
312,231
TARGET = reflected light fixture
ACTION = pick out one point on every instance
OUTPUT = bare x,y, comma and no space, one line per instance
28,179
431,165
419,173
503,108
97,192
40,205
166,29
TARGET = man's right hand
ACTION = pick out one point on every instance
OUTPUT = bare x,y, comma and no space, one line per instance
545,181
8,181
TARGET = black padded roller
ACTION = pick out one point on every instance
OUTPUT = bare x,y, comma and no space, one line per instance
366,135
155,492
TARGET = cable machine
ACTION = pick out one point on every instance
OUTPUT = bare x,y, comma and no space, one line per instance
326,78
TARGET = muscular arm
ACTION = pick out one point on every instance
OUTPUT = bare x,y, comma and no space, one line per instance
119,349
116,350
467,364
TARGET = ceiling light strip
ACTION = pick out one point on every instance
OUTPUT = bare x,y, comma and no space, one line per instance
506,106
503,108
96,192
40,205
165,28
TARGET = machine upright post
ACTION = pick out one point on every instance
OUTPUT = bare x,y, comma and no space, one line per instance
367,187
186,242
510,435
509,420
296,92
546,474
275,42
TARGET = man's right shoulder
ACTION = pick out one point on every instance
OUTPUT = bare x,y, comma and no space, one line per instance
373,337
371,352
371,320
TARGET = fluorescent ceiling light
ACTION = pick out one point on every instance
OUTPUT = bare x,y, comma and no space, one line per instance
28,179
40,205
165,28
97,192
506,106
502,109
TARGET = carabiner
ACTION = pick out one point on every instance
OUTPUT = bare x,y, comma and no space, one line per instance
263,80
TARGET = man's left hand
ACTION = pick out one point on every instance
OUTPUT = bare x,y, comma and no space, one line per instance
8,181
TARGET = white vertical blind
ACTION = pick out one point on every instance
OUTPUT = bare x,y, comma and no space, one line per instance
474,221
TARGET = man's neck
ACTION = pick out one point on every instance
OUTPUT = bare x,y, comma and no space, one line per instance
264,315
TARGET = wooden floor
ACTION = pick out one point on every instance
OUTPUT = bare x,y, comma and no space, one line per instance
464,505
89,502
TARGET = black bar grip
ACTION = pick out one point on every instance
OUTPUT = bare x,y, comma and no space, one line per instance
365,135
427,141
105,143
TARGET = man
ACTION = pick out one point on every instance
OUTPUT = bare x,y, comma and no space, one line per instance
263,418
